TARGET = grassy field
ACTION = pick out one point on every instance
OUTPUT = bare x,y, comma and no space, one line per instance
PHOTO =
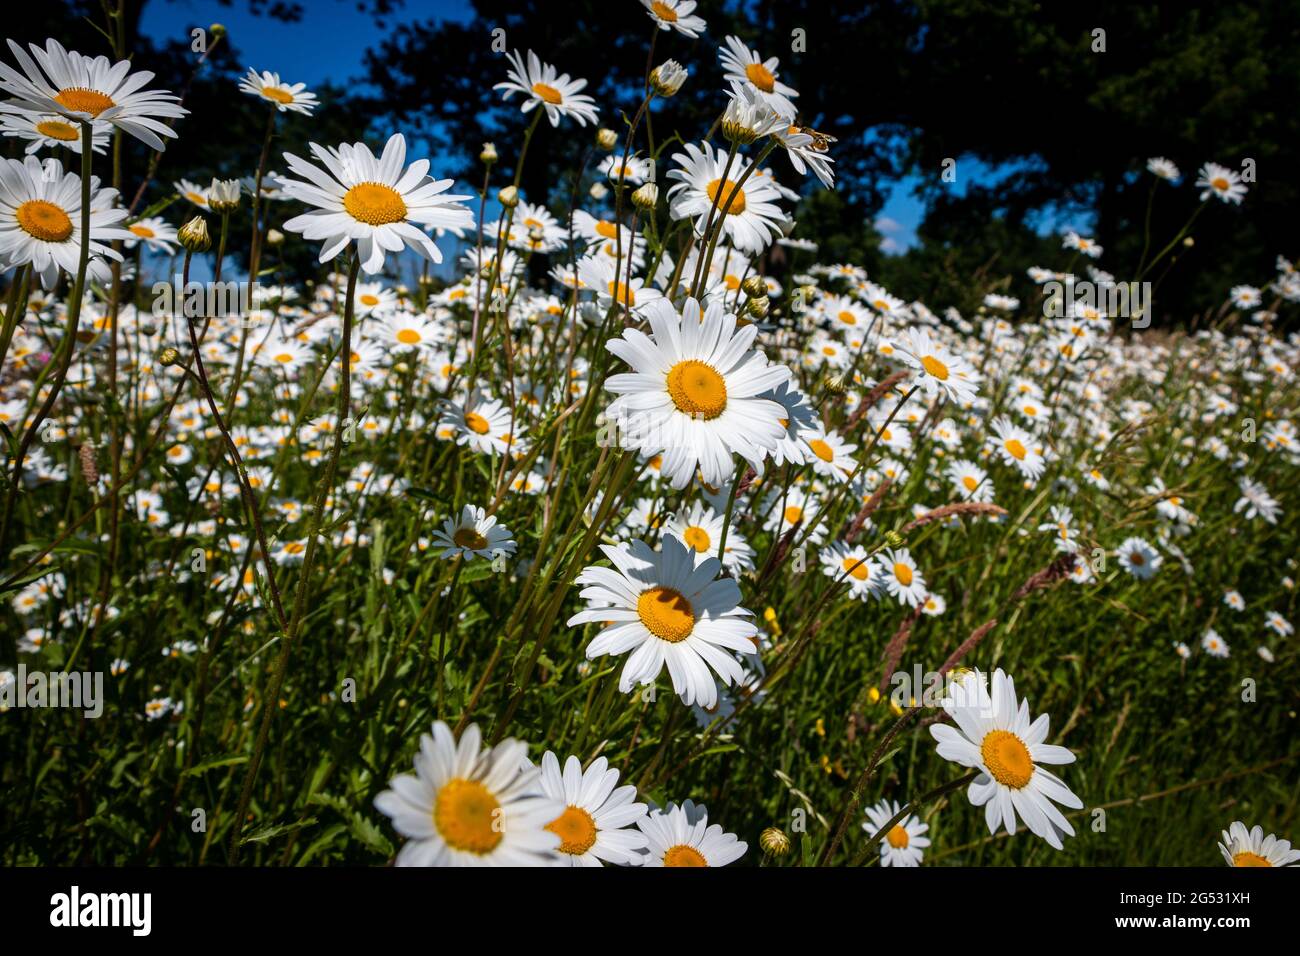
283,597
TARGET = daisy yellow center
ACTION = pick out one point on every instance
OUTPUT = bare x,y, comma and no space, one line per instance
761,77
284,357
622,294
793,514
144,232
57,129
476,422
848,318
606,229
735,205
1016,449
697,538
78,99
666,614
469,539
374,203
408,337
293,547
576,830
697,389
465,815
1218,182
1007,758
935,368
969,482
821,449
897,837
548,94
277,94
368,299
683,855
1136,558
197,198
857,568
1246,858
664,12
44,221
903,573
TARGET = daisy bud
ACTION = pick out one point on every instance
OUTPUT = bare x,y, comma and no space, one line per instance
786,226
1189,242
599,191
489,154
217,29
223,195
754,286
606,139
667,78
169,357
758,306
509,197
835,384
646,197
773,840
274,237
194,235
894,539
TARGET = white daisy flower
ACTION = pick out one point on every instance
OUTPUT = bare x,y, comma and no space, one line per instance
542,85
682,836
904,582
694,392
943,373
85,88
40,220
475,534
995,735
467,805
1277,623
744,66
906,839
854,565
596,825
48,130
381,203
1255,501
1164,168
1222,182
1018,448
749,214
1213,644
666,609
283,95
1242,847
157,235
675,15
1138,558
701,529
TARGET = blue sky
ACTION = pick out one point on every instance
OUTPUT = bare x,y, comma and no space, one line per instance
333,36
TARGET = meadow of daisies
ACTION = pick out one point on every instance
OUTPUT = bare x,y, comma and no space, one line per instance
632,542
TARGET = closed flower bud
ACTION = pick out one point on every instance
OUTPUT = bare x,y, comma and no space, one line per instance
606,138
667,78
509,197
758,306
223,195
194,235
754,286
168,357
489,154
645,197
217,29
774,840
274,237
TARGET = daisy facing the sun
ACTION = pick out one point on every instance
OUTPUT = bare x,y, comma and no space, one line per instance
378,202
666,609
695,392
